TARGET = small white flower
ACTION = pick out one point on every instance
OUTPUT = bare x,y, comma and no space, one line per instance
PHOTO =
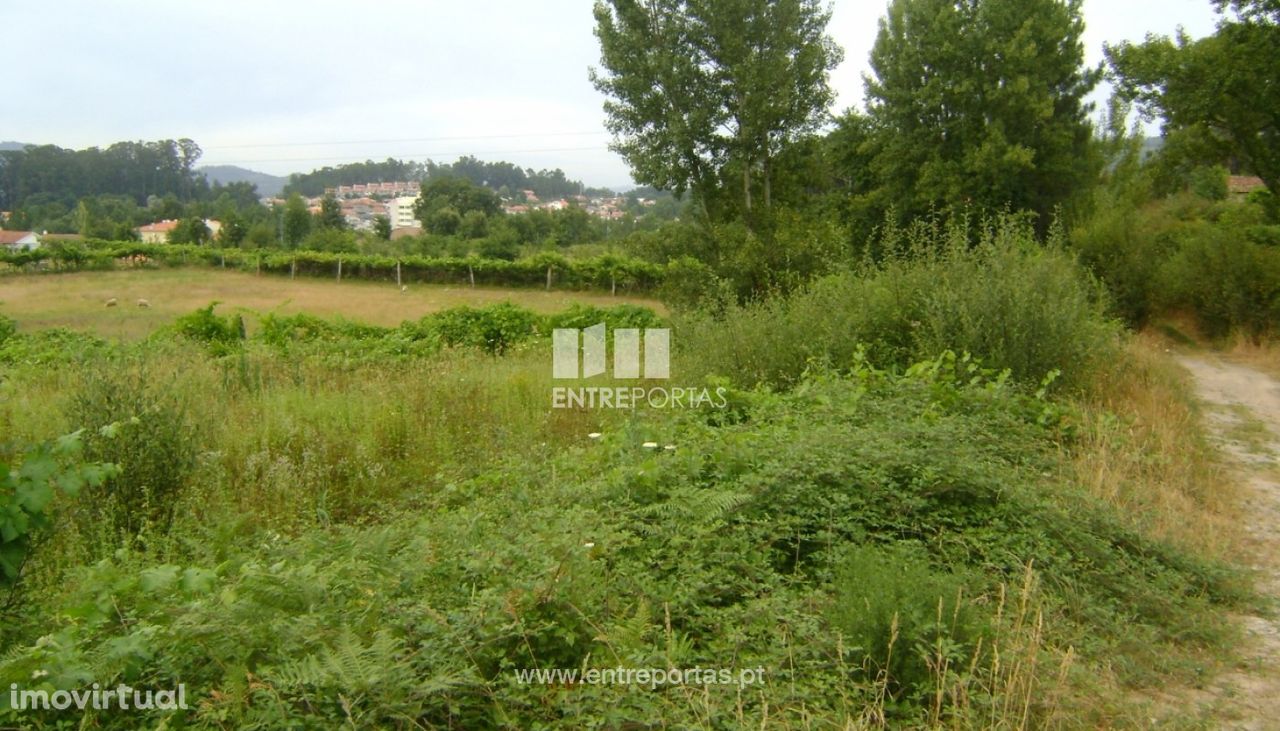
588,545
670,447
650,445
594,435
39,674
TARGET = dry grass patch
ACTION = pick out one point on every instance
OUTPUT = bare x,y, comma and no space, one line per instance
1143,449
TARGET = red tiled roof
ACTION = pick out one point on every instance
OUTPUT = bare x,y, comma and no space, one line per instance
13,237
1244,183
159,227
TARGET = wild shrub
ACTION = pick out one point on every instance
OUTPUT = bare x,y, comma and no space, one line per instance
494,329
1229,282
155,447
28,491
221,335
618,316
1008,300
1217,261
52,346
7,328
750,544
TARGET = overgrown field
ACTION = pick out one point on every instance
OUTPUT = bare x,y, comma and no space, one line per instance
945,491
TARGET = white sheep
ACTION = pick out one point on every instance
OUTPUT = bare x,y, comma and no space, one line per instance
143,303
111,302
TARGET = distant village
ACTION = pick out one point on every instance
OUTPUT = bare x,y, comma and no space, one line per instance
363,203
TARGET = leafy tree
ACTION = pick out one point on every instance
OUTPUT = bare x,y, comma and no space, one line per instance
475,225
460,194
190,230
137,170
1221,92
701,91
382,227
331,214
443,221
297,220
1262,11
233,230
240,194
981,103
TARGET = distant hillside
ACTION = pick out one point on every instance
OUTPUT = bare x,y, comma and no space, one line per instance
224,174
12,145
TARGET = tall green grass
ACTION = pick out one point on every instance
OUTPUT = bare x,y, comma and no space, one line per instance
1008,300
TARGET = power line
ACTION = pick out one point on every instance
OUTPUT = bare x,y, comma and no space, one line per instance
259,145
440,154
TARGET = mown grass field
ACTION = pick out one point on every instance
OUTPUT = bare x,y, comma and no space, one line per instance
77,300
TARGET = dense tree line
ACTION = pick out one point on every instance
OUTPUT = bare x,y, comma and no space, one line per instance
136,170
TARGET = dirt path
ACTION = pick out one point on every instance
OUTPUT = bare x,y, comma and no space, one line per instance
1243,411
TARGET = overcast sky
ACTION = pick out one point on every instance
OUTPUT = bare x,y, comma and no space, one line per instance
285,86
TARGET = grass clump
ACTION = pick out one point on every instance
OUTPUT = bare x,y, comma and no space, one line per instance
1008,300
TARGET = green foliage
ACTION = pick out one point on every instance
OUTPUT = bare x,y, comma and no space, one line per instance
295,221
703,96
190,230
900,612
8,328
45,347
619,316
154,443
1230,284
607,271
1216,261
494,329
330,216
1220,89
1009,300
745,546
1210,182
27,492
981,105
221,334
132,169
447,202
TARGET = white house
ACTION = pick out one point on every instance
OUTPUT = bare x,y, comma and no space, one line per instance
400,211
156,233
19,240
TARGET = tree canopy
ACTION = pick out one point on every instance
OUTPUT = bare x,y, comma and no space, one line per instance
981,104
1223,90
701,92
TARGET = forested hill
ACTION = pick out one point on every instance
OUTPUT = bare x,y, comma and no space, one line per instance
227,174
494,175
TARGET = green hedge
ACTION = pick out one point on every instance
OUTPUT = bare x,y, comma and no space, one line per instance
602,272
